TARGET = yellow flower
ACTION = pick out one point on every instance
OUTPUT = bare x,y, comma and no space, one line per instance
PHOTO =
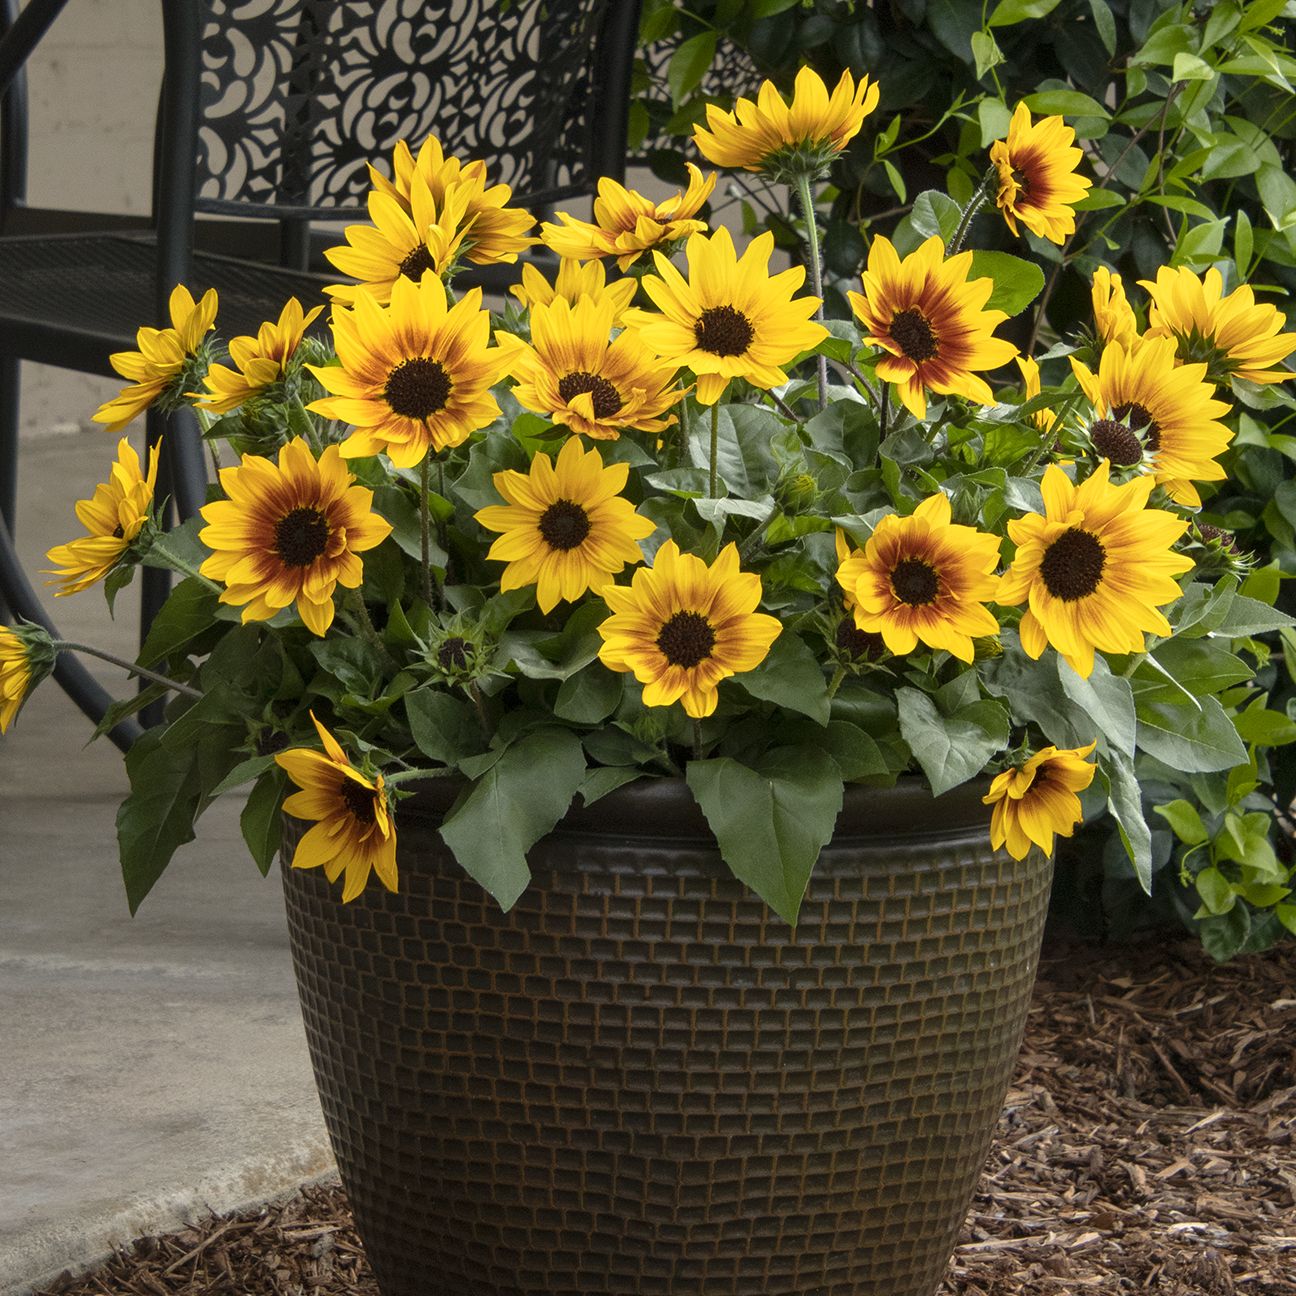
923,578
1034,801
574,375
781,138
565,528
1113,315
573,282
16,676
731,318
156,370
927,315
1235,335
1096,567
113,516
289,534
1037,175
682,627
353,828
496,231
414,376
261,360
1030,372
1149,407
626,224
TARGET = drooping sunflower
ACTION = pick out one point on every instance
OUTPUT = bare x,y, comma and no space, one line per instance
573,281
1152,409
415,375
261,360
730,318
16,676
289,533
1035,801
158,371
1030,372
1038,181
682,627
1114,318
1235,335
353,827
574,375
927,315
1096,567
785,139
565,528
924,579
497,231
626,224
113,516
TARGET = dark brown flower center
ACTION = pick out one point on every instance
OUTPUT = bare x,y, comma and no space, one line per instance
1225,538
564,524
915,582
723,331
419,260
418,388
453,653
854,642
1141,421
1072,566
1116,442
359,800
606,399
686,639
301,536
912,333
118,533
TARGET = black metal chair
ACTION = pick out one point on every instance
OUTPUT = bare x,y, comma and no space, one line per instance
269,111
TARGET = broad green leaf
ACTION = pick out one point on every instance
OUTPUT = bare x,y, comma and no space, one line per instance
186,615
1278,194
1105,24
1190,67
243,772
1199,665
1192,741
689,64
514,803
994,117
1107,699
1184,818
1016,282
791,677
987,55
744,460
771,821
1125,801
1008,12
556,656
935,214
1264,728
1215,890
444,728
951,749
1248,616
599,782
261,820
1065,103
591,695
1224,936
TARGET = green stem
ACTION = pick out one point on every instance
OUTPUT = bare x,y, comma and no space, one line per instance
355,604
480,706
884,409
425,530
173,560
749,545
713,480
974,205
67,645
697,739
406,776
816,274
836,682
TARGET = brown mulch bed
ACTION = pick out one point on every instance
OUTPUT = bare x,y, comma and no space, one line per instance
1148,1145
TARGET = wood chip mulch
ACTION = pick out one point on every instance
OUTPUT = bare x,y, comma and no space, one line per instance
1148,1145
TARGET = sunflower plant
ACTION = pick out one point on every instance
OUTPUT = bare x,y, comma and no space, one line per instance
656,517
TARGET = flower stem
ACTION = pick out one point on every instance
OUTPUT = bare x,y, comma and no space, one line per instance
749,545
816,273
697,739
974,205
425,532
884,409
67,645
713,480
355,604
405,776
173,560
836,682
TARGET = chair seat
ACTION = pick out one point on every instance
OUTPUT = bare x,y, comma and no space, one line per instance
72,300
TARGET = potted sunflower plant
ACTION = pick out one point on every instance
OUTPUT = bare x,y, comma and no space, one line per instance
665,701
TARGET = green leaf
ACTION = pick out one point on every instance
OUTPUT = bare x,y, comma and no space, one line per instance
599,782
1065,103
514,803
987,55
243,772
1278,195
261,820
689,64
771,821
539,655
1008,12
1200,666
185,616
1125,801
1195,742
1016,282
935,214
994,119
951,749
1105,24
1248,616
744,460
1215,890
1107,699
1191,67
591,695
1264,728
1184,818
791,677
1199,242
1224,936
444,728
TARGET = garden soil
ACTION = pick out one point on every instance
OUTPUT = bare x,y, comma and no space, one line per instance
1148,1144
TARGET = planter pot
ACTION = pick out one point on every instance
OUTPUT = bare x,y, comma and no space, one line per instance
639,1081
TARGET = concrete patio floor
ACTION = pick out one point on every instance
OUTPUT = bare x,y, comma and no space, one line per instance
153,1068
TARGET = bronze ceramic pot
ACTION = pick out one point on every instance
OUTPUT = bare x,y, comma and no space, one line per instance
639,1082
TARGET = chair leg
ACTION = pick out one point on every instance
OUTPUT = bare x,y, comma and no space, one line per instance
9,372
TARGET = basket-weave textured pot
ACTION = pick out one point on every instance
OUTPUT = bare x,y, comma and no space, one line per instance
640,1083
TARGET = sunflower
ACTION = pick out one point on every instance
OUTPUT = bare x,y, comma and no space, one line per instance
353,828
497,231
1235,335
1152,409
1034,801
565,528
158,370
572,374
1037,175
785,139
113,516
1113,316
682,627
923,578
289,533
731,318
626,224
261,360
927,315
1096,567
16,676
1030,372
573,281
414,376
